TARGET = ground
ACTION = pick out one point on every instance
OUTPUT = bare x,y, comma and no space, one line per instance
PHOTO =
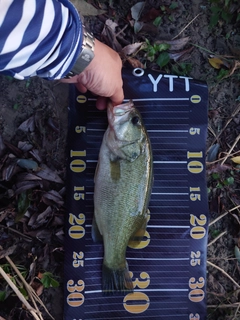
42,141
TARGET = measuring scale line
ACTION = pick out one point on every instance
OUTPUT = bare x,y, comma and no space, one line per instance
150,99
154,226
140,290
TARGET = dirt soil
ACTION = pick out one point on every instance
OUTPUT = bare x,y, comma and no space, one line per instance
33,132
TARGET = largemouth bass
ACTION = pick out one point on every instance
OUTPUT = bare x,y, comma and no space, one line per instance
123,181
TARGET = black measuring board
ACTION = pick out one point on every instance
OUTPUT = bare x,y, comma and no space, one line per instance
169,266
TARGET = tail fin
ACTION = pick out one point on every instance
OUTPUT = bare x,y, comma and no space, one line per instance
116,280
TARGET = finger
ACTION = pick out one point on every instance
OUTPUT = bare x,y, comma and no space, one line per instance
81,87
117,98
101,103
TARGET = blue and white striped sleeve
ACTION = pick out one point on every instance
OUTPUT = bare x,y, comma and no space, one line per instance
39,38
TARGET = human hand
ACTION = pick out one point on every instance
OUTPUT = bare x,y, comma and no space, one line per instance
102,76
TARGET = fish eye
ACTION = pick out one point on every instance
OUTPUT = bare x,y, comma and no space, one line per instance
135,120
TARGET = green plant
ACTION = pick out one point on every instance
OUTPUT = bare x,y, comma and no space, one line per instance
157,52
48,280
224,10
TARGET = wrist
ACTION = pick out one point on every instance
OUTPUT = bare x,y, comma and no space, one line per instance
86,55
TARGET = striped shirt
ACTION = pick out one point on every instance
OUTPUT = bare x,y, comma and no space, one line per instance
38,38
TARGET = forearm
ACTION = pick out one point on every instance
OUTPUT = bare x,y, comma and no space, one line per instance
41,37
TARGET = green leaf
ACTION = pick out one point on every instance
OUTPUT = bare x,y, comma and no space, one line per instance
54,283
163,47
226,16
229,181
23,292
222,73
157,21
215,176
15,106
173,5
2,295
163,59
23,204
214,20
48,280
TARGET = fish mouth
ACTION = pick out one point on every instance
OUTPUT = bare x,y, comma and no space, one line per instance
119,112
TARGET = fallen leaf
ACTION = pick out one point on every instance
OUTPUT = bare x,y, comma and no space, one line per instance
236,159
218,168
132,48
176,56
213,152
25,185
152,14
86,9
36,154
109,35
54,196
216,62
175,45
37,286
135,63
24,146
138,25
43,217
14,149
27,164
48,174
137,9
28,125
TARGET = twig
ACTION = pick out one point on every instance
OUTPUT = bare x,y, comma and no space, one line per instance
235,316
214,240
29,289
233,305
229,152
220,159
225,273
20,296
186,26
223,215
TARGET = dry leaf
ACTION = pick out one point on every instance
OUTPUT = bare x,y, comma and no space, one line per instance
28,125
135,63
48,174
236,159
132,48
24,146
137,9
216,62
44,216
86,9
176,56
25,185
177,44
152,14
53,196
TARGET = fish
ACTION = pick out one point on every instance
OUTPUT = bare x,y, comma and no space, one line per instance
122,188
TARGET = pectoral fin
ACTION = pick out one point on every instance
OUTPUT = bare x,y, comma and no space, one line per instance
137,237
115,170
